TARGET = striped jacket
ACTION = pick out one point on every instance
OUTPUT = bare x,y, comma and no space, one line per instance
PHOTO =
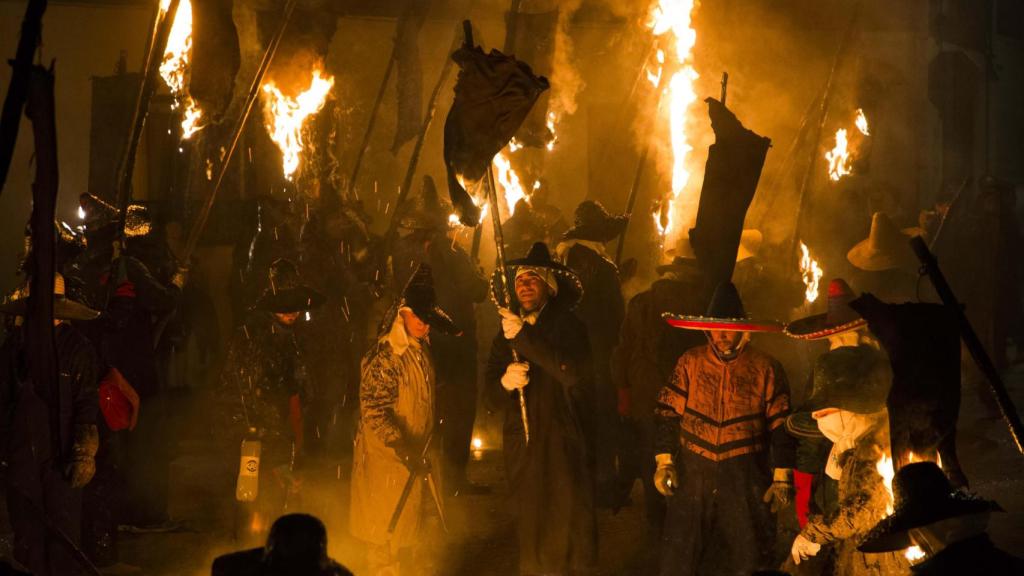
722,409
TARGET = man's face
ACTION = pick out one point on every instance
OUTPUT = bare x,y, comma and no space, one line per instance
416,328
725,342
531,291
286,318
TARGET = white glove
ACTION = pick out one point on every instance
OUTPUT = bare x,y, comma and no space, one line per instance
803,549
516,377
665,478
511,323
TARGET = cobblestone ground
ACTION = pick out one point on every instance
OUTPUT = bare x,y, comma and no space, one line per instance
482,540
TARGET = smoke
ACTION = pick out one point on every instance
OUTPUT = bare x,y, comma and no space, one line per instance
566,81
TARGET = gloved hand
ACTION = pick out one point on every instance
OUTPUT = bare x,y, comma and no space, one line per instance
665,479
516,376
180,277
781,493
511,323
803,549
82,466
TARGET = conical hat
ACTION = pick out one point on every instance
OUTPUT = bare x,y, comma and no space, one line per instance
885,248
419,296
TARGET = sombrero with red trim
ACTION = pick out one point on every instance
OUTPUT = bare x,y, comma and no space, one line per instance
725,313
839,317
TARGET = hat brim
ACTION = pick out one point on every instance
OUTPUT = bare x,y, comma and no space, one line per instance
63,309
893,532
863,256
300,299
605,231
437,319
817,327
570,289
802,425
721,324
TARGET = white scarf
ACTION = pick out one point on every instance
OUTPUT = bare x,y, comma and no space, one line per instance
398,336
844,429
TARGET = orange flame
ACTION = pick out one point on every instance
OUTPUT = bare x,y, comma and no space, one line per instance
839,162
885,470
174,68
551,122
509,182
862,122
675,17
811,273
285,116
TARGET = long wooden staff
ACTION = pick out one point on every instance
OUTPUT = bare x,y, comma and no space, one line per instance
17,90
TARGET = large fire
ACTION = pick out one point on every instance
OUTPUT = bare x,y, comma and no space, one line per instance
675,17
886,471
509,181
286,115
811,273
174,67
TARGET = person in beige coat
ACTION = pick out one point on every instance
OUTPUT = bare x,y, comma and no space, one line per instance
396,416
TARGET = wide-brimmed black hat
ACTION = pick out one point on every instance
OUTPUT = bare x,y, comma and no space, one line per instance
64,308
839,317
592,222
287,292
570,290
420,297
923,495
97,214
426,211
725,313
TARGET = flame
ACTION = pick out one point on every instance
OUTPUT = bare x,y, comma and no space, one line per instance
478,443
174,68
862,122
285,116
676,17
839,157
453,219
811,272
886,471
509,182
552,120
514,145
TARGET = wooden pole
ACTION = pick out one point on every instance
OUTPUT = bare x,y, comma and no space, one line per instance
17,89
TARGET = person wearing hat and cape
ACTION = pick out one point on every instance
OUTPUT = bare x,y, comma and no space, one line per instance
549,475
851,383
718,437
601,309
885,261
39,481
265,385
397,395
424,237
644,359
949,526
854,355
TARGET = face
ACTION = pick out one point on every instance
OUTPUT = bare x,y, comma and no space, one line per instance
725,342
286,318
531,291
416,328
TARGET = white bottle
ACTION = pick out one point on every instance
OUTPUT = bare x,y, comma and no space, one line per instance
249,471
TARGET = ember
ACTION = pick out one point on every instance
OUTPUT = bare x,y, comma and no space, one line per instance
286,116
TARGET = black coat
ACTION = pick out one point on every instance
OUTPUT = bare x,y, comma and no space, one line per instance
251,563
975,555
549,478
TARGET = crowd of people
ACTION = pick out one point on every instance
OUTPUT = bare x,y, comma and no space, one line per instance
683,388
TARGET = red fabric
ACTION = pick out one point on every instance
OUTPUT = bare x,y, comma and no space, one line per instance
625,402
802,481
118,401
125,289
295,419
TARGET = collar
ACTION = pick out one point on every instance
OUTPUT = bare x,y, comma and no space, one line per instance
398,337
532,317
562,250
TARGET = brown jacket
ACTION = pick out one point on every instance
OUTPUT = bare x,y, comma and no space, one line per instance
725,409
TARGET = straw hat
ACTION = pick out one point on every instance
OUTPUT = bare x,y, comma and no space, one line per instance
64,308
839,318
885,248
725,313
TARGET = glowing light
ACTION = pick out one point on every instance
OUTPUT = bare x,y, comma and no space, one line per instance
552,120
514,145
176,66
839,162
285,116
675,17
81,213
862,122
453,219
509,181
308,317
811,273
885,469
914,553
478,444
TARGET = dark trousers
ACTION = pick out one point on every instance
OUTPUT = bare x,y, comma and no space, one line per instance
101,503
146,457
458,399
717,522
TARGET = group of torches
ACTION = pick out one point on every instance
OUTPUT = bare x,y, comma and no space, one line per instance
285,111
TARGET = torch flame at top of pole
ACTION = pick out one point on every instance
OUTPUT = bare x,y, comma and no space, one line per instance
176,64
811,273
285,116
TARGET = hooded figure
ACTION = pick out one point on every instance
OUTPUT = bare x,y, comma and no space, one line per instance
296,546
549,476
947,525
45,474
423,238
719,419
396,417
850,412
265,385
644,359
601,309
